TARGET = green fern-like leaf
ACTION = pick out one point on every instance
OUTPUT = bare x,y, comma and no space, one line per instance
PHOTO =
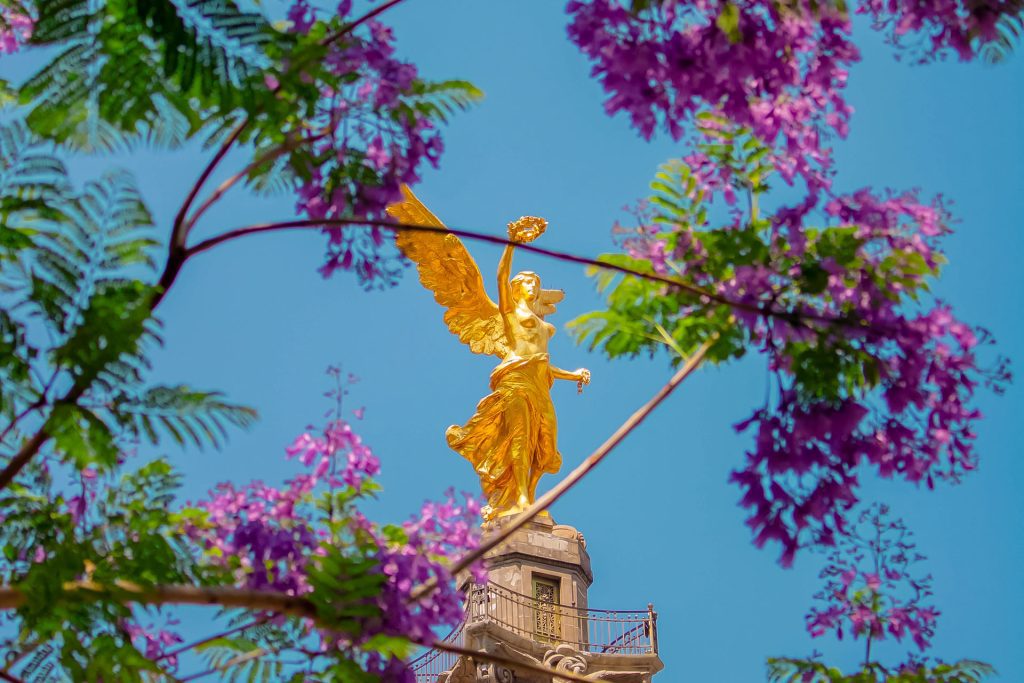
31,183
152,71
102,233
793,670
1009,31
242,659
274,177
439,100
183,413
26,170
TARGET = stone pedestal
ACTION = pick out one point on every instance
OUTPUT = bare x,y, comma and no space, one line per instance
535,609
545,553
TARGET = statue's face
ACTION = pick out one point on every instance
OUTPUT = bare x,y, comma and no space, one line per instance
528,288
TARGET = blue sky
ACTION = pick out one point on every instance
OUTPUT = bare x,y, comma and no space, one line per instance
255,320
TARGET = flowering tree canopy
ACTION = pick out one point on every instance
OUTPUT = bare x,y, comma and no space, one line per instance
873,591
111,539
869,371
776,68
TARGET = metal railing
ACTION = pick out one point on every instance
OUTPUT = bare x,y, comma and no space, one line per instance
614,632
433,663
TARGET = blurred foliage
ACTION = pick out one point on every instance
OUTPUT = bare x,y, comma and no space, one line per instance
787,670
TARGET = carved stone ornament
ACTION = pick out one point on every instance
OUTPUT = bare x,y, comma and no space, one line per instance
494,673
462,672
565,658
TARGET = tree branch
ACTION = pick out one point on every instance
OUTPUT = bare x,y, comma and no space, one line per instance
179,230
27,451
224,596
353,25
229,596
176,257
211,638
706,296
269,155
180,227
36,405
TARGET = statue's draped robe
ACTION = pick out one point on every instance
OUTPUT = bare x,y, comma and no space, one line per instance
513,425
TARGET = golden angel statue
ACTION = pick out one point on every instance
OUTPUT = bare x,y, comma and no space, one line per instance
511,440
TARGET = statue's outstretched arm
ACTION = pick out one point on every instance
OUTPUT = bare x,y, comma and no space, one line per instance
579,375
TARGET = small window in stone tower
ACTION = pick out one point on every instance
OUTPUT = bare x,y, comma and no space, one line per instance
547,623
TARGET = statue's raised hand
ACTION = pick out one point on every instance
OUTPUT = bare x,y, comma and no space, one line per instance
526,229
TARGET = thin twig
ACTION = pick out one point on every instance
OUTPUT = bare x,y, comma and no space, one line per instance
36,405
180,226
593,460
234,661
707,296
23,456
512,664
20,656
353,25
269,155
210,639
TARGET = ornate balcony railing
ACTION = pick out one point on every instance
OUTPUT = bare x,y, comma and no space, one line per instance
433,663
609,632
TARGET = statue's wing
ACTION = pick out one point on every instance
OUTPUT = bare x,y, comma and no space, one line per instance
548,299
447,270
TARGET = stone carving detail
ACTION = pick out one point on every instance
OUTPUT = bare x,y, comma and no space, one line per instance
565,658
462,672
493,673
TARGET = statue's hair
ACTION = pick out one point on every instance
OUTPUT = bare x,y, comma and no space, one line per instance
522,276
546,298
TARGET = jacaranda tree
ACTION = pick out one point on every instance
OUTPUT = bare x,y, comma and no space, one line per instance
871,372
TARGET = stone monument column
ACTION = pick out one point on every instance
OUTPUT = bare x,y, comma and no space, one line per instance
535,609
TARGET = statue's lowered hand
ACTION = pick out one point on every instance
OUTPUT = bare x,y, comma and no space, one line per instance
583,378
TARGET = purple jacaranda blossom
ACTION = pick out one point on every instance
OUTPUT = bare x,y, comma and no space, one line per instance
779,69
15,30
439,530
301,16
899,401
869,589
271,537
367,139
155,642
933,28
